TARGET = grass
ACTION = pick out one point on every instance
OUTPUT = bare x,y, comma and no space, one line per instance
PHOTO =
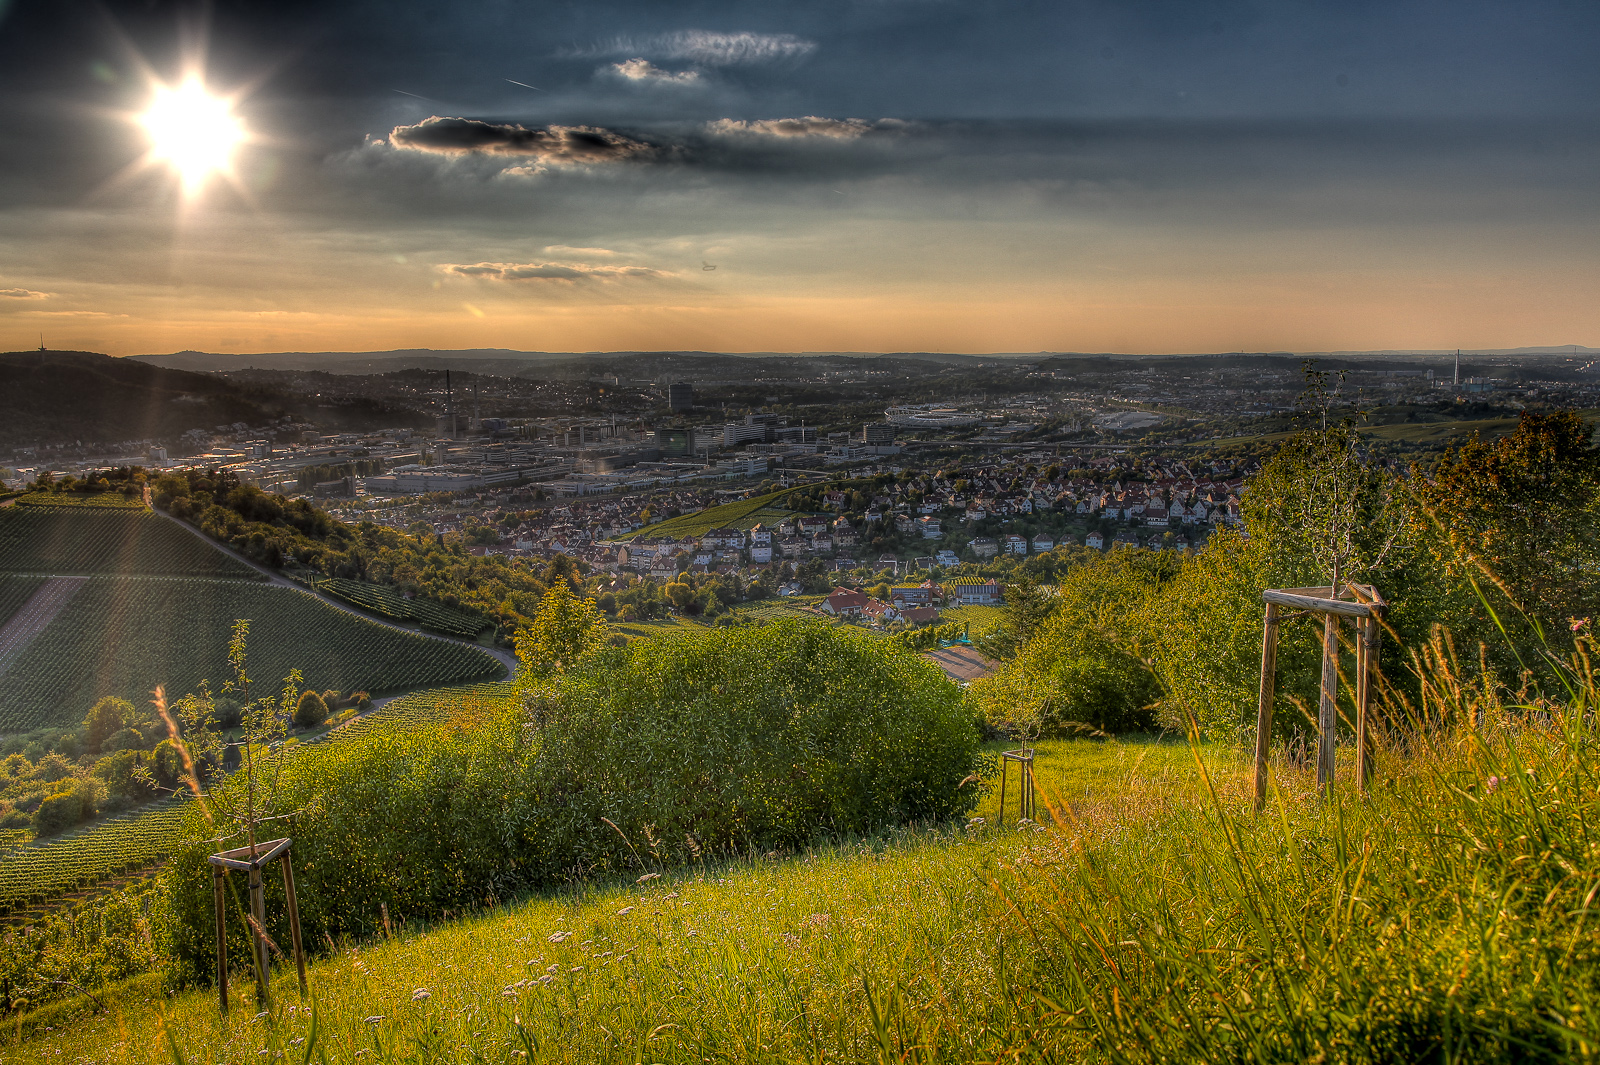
1448,916
658,626
124,636
740,514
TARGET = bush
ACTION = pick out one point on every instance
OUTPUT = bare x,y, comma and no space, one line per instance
310,711
127,739
736,739
64,809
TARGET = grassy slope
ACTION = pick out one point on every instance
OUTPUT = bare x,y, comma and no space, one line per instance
1443,918
93,540
726,951
740,514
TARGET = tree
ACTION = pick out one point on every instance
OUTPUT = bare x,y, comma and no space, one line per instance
680,594
1518,517
565,628
310,711
107,717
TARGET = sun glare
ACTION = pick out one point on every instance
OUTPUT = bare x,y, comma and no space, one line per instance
192,131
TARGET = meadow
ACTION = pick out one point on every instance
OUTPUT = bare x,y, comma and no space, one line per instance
124,636
91,540
1152,917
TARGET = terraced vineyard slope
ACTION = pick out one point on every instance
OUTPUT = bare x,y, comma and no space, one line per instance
387,602
39,872
124,636
90,540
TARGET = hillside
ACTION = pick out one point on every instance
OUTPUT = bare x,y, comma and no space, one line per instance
742,514
114,602
66,397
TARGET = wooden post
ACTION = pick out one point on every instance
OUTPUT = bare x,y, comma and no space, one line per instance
1003,763
1363,626
1328,710
218,874
1269,669
258,909
294,921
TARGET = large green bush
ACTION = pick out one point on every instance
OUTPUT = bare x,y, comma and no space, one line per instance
633,759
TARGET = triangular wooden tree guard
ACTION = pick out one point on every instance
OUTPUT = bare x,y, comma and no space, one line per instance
1362,604
251,862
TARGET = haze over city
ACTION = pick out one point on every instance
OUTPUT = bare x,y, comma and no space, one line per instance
846,175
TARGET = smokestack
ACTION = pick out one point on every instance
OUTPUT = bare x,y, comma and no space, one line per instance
450,404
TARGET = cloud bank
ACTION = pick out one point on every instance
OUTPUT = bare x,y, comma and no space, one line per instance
568,272
808,126
22,294
706,47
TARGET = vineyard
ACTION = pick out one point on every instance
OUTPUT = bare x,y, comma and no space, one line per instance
14,593
386,602
33,874
77,500
124,636
86,540
39,872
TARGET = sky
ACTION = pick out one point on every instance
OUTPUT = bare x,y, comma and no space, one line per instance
824,175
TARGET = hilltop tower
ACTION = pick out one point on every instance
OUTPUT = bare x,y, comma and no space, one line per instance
1457,379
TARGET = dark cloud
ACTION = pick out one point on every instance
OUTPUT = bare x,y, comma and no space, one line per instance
546,144
568,272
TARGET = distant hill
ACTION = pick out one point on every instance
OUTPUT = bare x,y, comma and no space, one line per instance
62,397
508,363
59,397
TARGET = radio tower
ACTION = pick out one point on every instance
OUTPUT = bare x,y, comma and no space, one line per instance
450,404
1457,381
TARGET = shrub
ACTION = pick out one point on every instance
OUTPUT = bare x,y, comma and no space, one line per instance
127,739
63,810
735,739
310,711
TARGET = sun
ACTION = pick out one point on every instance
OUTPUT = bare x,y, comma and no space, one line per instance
192,131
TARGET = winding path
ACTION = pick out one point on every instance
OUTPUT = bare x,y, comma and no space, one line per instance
504,657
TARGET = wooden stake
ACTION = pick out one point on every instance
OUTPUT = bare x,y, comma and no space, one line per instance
1363,626
1003,762
1328,711
294,921
1269,669
218,874
258,909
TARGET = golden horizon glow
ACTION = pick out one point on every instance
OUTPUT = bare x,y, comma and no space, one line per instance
192,131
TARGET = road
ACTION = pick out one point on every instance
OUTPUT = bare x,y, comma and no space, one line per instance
504,657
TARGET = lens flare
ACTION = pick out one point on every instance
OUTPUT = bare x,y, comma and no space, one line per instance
192,131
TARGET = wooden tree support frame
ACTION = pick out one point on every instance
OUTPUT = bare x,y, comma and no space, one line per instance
251,861
1023,756
1365,607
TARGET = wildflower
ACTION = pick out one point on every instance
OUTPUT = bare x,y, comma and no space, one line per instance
1578,623
648,876
560,937
1494,782
421,994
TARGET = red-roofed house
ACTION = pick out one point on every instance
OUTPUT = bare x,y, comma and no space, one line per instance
844,602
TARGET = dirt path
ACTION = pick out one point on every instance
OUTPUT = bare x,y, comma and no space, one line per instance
37,613
504,657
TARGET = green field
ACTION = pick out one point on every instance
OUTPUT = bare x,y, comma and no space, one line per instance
125,636
108,848
87,540
741,514
93,501
385,601
672,623
981,618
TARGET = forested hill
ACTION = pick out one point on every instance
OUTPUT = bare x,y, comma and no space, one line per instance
62,397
